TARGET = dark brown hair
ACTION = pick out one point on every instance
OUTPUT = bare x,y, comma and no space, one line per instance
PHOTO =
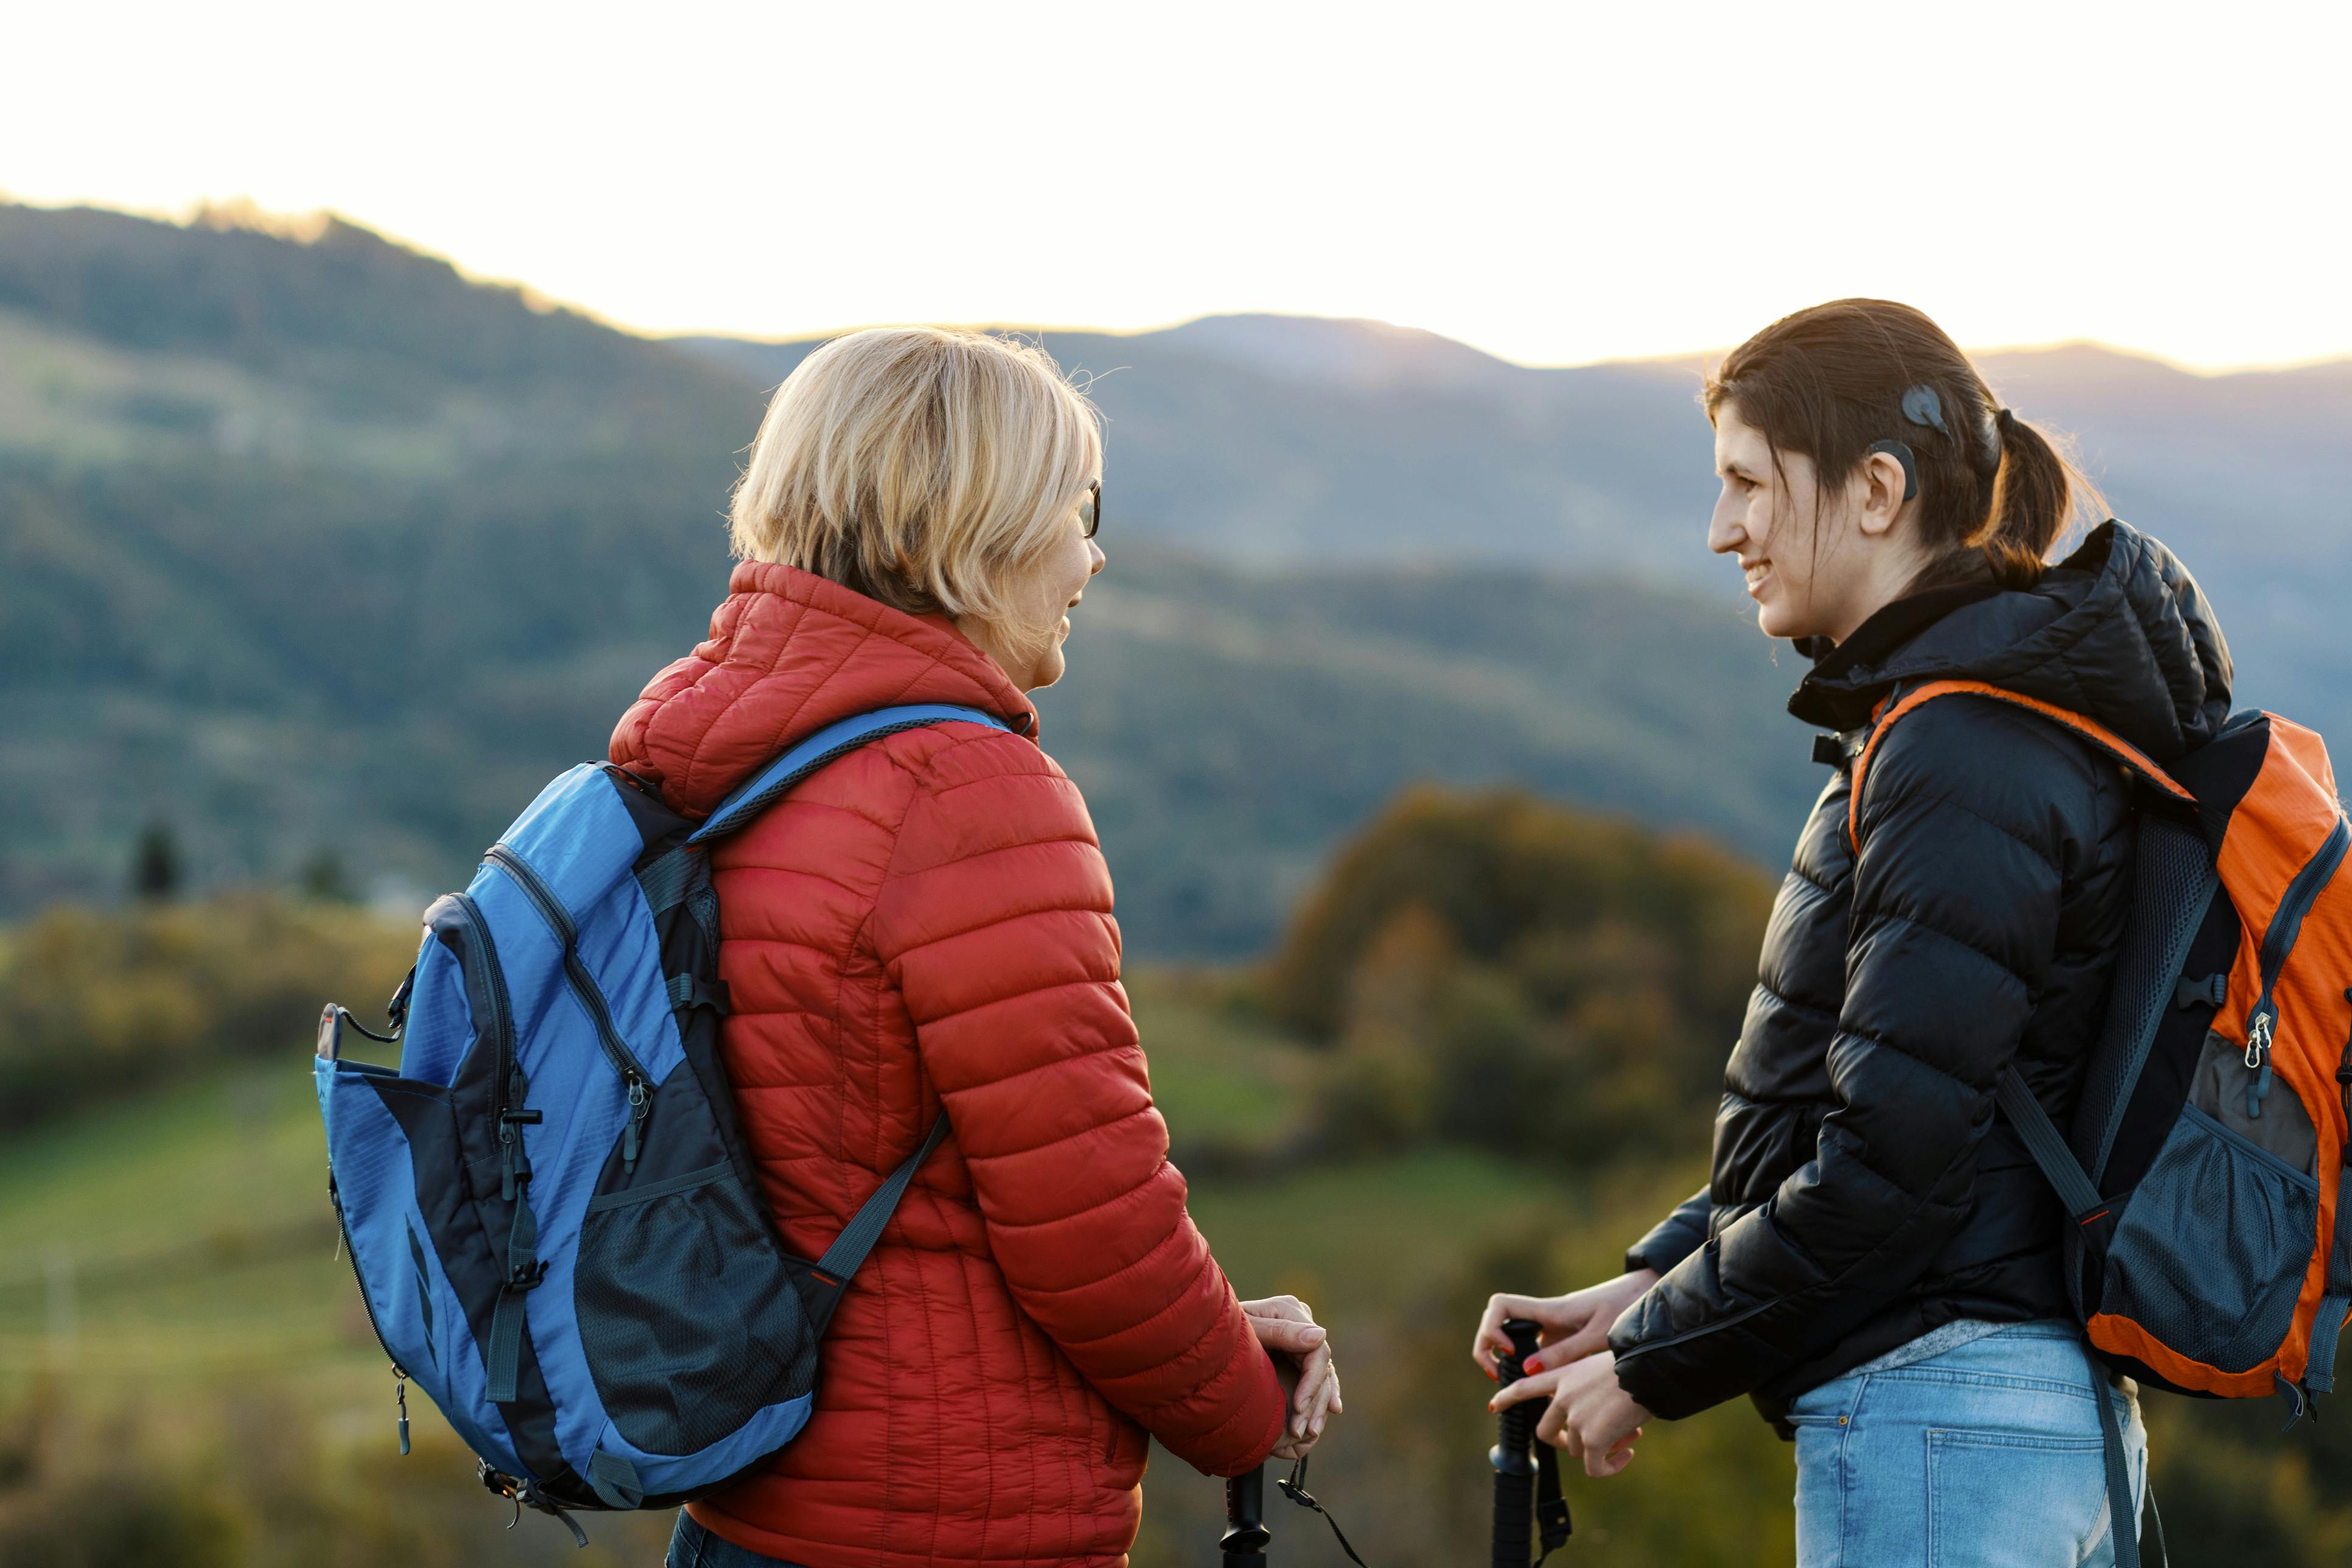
1830,380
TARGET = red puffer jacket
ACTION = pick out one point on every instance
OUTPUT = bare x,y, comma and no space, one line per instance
927,921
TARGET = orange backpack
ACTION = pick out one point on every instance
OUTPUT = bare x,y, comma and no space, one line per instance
2208,1152
2206,1163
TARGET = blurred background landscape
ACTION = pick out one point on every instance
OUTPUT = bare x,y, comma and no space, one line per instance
1443,774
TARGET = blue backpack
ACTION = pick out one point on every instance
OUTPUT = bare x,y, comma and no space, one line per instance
558,1232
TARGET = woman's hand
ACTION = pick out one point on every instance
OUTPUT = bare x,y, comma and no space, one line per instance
1577,1323
1588,1418
1302,1357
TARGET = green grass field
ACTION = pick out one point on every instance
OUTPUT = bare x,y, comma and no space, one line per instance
171,1264
192,1233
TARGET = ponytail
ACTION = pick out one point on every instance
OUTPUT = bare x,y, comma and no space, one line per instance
2034,492
1837,381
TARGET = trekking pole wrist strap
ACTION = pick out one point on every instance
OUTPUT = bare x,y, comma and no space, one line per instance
1552,1520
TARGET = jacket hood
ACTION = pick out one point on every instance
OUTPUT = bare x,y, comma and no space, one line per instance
789,653
2118,632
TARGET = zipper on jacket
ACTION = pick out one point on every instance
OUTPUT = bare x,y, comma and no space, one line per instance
584,986
2278,942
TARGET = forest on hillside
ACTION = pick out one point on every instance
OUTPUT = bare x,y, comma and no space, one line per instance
310,544
315,546
1436,763
1479,1058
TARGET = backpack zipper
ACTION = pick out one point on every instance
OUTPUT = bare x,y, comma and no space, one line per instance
481,959
2278,942
584,986
399,1373
508,1087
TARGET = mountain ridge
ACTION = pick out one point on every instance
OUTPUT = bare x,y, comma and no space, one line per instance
324,546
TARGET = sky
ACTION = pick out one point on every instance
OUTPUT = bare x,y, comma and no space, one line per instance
1556,184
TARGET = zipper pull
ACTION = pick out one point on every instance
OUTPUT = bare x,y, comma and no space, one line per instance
400,1393
2259,1030
637,1105
512,1168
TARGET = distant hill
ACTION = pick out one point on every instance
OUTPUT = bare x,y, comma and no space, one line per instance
317,545
1277,439
1285,439
311,542
1226,725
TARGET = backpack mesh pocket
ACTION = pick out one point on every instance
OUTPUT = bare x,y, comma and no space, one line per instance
690,1321
2211,1253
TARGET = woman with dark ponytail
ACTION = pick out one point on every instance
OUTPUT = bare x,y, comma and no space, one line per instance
1876,1259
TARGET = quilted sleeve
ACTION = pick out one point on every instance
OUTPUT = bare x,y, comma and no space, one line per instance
1675,1237
1969,821
995,921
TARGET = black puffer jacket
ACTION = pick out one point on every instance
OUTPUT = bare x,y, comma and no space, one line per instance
1863,1191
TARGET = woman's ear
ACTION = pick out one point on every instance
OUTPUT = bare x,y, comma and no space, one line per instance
1886,484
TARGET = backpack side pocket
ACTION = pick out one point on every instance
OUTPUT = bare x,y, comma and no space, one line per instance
2202,1276
689,1316
400,1195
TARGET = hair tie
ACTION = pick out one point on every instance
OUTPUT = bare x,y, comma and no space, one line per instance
2002,420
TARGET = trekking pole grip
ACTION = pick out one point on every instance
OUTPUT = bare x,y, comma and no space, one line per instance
1245,1535
1513,1456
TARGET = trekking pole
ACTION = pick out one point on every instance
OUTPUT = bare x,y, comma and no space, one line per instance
1245,1532
1527,1473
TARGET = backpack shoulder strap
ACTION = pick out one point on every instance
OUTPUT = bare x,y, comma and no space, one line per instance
2023,1112
764,788
754,795
2048,1148
2127,756
864,1227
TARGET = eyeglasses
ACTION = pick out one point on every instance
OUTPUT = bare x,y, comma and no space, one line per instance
1090,509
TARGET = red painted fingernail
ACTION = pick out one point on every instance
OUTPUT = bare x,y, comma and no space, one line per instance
1533,1364
1492,1375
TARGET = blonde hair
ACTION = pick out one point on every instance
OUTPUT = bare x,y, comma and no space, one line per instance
919,467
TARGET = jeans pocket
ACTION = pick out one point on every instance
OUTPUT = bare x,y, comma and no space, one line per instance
1823,1404
2019,1501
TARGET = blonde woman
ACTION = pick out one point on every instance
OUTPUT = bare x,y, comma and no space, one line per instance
926,924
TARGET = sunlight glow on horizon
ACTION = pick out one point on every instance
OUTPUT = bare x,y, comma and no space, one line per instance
1547,184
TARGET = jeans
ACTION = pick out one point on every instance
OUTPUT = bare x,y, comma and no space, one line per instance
1988,1456
692,1546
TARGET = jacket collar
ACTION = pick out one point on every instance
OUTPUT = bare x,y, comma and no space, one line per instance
2118,632
790,652
1893,626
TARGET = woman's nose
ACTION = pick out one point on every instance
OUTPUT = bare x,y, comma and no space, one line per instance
1725,532
1098,560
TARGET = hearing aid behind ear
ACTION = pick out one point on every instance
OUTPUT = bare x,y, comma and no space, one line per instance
1901,454
1922,406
